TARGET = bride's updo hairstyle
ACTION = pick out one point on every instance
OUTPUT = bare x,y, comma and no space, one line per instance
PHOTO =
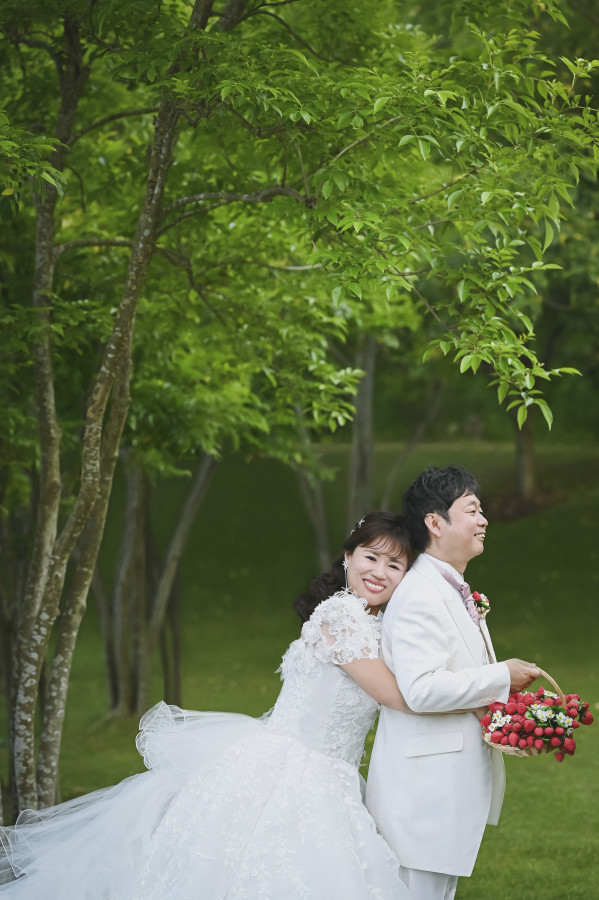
377,527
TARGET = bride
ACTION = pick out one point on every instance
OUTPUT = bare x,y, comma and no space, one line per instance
236,807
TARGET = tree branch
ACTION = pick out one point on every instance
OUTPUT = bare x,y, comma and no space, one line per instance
59,249
112,118
262,196
444,187
224,198
300,40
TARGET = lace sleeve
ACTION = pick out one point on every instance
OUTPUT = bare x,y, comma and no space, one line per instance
341,631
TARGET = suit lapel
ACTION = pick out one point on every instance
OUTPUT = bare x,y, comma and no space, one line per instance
473,638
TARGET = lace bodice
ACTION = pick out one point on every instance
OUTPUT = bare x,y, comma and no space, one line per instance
319,703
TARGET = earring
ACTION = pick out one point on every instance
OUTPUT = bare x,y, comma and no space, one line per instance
345,569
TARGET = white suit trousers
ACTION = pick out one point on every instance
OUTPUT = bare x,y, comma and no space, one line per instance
429,885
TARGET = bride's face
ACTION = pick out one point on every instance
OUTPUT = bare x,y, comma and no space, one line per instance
375,570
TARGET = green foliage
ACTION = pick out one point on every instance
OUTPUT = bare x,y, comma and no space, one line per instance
23,156
334,173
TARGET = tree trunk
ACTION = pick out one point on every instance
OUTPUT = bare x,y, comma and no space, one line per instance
76,602
103,604
525,459
170,646
313,498
360,473
128,599
431,412
51,553
35,622
150,639
314,504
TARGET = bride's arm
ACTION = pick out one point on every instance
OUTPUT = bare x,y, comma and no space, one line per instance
378,680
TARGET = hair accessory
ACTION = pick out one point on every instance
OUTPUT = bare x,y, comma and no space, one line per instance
358,525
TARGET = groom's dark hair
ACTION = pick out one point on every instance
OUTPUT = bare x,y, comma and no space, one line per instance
434,491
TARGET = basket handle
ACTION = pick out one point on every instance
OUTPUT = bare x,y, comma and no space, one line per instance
554,683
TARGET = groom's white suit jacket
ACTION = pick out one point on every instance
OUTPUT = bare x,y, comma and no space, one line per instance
433,783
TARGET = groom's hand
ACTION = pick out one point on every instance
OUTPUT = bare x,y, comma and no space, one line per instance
522,674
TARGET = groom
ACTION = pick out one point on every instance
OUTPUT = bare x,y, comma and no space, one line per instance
433,782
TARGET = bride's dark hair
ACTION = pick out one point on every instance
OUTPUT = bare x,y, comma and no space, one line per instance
378,525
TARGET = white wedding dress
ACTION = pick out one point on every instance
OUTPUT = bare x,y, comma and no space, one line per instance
231,807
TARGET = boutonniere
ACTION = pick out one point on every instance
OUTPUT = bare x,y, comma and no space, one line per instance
481,601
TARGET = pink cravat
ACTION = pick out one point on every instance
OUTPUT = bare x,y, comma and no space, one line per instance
462,587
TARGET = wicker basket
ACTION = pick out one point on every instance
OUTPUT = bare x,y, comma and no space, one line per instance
528,751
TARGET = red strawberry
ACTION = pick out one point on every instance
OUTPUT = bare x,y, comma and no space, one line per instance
495,707
588,719
575,724
538,732
569,745
530,740
528,699
517,726
511,708
549,730
559,756
486,720
496,737
513,739
529,725
539,744
555,741
521,707
522,743
559,730
507,728
540,692
504,739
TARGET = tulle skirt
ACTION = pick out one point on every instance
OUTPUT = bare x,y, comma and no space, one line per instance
227,809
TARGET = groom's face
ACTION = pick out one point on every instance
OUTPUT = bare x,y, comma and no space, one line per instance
463,536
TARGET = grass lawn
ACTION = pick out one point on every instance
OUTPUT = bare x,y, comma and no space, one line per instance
251,552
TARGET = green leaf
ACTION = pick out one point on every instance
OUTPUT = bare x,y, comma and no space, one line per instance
548,235
425,149
379,103
463,290
522,415
527,322
502,391
546,412
453,197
